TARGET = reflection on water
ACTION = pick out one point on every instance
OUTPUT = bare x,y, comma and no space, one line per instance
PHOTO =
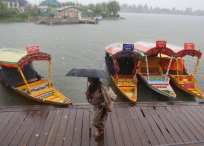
83,45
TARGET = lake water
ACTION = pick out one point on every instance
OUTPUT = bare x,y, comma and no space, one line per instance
83,45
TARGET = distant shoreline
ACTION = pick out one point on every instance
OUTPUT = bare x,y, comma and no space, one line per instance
161,13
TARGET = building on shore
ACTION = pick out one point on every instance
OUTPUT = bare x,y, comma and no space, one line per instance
51,3
18,4
69,12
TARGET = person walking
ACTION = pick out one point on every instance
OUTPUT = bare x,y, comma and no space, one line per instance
97,95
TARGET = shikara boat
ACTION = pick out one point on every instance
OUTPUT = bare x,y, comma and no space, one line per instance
150,70
178,72
122,65
17,72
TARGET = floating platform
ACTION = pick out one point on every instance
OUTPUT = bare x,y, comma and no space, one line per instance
165,123
88,21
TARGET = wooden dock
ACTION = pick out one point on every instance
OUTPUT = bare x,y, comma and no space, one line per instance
173,123
88,21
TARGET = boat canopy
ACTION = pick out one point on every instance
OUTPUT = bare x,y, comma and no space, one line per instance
121,54
12,76
155,51
114,48
12,57
192,53
143,47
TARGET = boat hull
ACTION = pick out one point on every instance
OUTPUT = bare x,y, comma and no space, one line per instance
193,90
98,19
41,92
126,86
161,90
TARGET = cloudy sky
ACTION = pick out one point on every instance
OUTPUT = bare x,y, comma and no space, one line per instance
178,4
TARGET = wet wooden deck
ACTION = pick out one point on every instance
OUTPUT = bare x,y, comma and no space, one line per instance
127,125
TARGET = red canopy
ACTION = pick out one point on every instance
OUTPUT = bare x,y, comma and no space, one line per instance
32,57
164,50
192,53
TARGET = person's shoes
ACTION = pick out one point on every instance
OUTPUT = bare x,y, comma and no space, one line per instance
98,134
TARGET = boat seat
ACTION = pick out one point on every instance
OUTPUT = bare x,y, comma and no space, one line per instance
174,72
38,87
123,76
45,95
23,83
154,71
189,85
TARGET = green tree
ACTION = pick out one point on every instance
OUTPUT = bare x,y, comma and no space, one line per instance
91,6
125,7
146,8
52,11
104,4
139,8
113,6
188,10
69,4
134,9
30,9
98,8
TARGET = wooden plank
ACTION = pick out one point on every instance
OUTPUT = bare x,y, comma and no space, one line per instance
62,128
186,130
101,140
172,112
70,128
189,124
152,138
2,116
133,132
6,120
14,129
109,132
78,128
198,119
46,128
143,136
54,128
24,140
38,128
86,128
22,129
161,125
192,120
200,111
124,128
154,126
140,130
93,141
116,128
133,113
175,125
168,125
9,126
196,112
202,107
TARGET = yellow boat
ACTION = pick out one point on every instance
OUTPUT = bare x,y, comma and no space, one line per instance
150,70
178,72
122,66
17,72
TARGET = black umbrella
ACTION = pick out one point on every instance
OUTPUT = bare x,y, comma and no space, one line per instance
87,72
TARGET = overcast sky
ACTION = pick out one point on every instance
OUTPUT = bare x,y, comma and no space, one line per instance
178,4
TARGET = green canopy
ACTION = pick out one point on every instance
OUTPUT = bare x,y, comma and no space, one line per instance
52,3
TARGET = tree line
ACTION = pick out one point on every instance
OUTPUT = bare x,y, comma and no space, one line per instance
145,9
100,8
15,14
